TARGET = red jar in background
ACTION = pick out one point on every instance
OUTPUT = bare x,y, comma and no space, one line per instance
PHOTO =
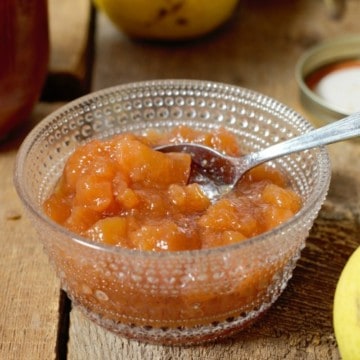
24,54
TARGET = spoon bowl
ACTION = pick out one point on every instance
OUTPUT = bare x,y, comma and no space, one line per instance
218,173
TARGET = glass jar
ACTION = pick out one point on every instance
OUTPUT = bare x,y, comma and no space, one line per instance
24,54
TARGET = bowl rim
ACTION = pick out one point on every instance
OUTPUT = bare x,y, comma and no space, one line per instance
115,250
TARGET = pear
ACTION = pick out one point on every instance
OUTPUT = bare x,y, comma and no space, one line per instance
167,19
346,311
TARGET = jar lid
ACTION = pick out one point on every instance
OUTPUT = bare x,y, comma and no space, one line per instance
328,76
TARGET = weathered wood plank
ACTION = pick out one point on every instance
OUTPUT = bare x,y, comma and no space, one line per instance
29,297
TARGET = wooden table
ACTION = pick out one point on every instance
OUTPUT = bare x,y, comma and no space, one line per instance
258,49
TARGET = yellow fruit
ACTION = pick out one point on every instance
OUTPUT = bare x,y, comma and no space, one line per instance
167,19
346,312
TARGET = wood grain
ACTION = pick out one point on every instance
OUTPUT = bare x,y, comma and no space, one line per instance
29,297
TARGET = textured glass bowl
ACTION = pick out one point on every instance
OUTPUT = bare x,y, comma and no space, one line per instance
180,297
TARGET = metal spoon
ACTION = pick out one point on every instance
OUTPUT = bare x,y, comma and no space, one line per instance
217,173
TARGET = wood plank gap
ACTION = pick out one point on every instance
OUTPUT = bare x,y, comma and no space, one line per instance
63,326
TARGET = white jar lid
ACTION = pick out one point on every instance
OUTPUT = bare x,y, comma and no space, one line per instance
329,78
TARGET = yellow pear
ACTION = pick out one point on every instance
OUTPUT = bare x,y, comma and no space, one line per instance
167,19
346,312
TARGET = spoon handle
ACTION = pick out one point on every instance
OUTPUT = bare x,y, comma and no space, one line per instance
343,129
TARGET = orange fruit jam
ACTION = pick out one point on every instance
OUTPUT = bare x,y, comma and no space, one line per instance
122,192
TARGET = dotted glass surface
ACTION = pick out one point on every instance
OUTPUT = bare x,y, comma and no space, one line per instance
181,297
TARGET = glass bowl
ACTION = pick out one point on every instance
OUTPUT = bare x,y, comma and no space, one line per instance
175,297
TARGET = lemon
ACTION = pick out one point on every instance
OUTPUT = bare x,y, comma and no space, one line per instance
346,312
167,19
